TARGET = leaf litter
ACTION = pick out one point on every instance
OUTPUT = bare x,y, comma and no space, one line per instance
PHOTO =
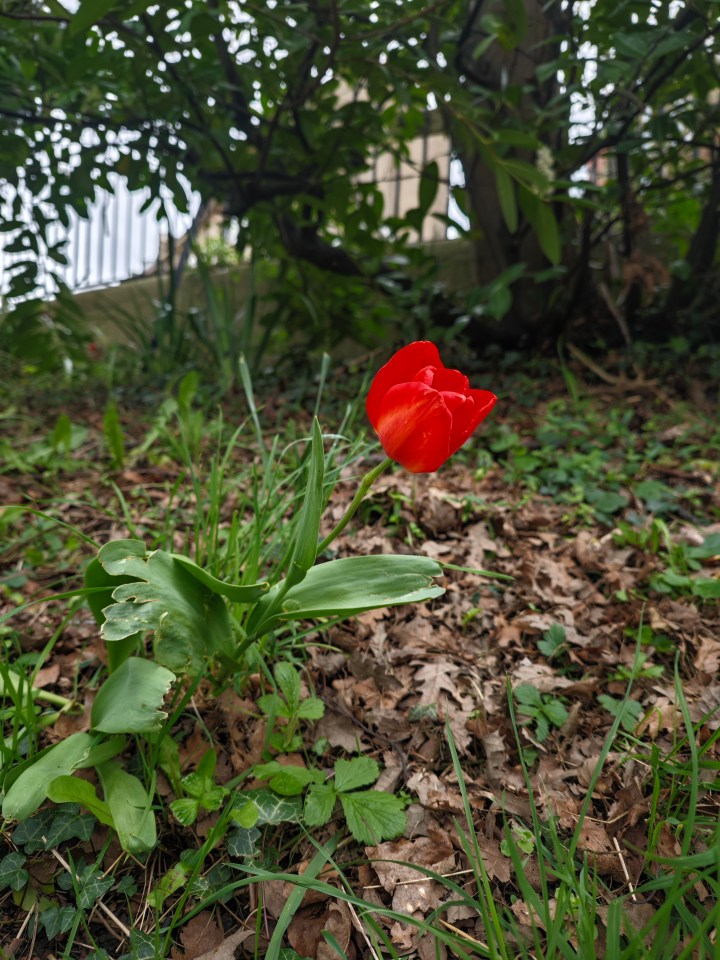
393,680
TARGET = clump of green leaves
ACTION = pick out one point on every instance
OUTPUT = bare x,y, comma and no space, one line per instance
287,703
542,709
201,791
371,815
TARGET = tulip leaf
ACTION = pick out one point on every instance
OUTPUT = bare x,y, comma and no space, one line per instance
189,620
131,699
31,787
305,549
352,585
130,808
238,593
102,584
69,789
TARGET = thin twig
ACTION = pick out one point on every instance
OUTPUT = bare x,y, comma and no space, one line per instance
373,953
631,887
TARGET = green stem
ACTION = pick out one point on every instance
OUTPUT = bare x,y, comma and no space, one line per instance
367,481
284,586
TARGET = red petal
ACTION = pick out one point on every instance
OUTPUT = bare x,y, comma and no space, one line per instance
402,367
453,381
465,419
414,427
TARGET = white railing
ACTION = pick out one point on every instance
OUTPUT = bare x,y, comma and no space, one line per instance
120,241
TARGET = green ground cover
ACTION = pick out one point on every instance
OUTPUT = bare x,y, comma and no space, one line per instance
523,765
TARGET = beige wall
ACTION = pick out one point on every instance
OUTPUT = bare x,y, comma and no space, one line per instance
112,311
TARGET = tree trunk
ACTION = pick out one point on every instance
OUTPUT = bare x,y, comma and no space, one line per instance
499,69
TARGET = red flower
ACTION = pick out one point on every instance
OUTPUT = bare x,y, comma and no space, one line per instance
422,411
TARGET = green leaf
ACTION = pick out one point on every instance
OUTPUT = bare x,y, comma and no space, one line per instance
56,920
53,826
130,807
527,695
428,188
319,804
707,588
131,699
288,680
88,13
89,881
190,622
242,842
97,577
74,790
358,772
246,816
305,549
553,639
271,808
238,593
12,871
170,882
30,789
506,196
555,712
542,219
355,584
112,429
709,548
373,815
286,779
185,810
311,709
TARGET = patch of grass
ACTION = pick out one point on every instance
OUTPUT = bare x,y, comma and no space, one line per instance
577,817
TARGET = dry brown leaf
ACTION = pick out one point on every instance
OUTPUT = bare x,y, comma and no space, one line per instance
595,841
435,677
707,658
339,731
497,865
198,936
339,923
305,931
429,948
226,950
433,793
412,891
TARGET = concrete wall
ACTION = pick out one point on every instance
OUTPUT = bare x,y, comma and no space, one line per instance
112,312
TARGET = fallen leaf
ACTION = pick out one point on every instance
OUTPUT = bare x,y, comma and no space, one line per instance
226,950
197,935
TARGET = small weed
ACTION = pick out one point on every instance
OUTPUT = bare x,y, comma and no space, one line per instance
542,709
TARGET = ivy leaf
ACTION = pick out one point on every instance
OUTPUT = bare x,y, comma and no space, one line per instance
51,827
90,883
373,815
12,872
242,842
57,920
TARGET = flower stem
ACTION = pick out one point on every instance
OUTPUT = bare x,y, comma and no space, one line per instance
365,484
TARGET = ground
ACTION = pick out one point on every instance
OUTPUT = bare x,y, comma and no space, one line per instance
553,733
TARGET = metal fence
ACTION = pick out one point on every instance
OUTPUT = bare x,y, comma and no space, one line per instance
120,241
